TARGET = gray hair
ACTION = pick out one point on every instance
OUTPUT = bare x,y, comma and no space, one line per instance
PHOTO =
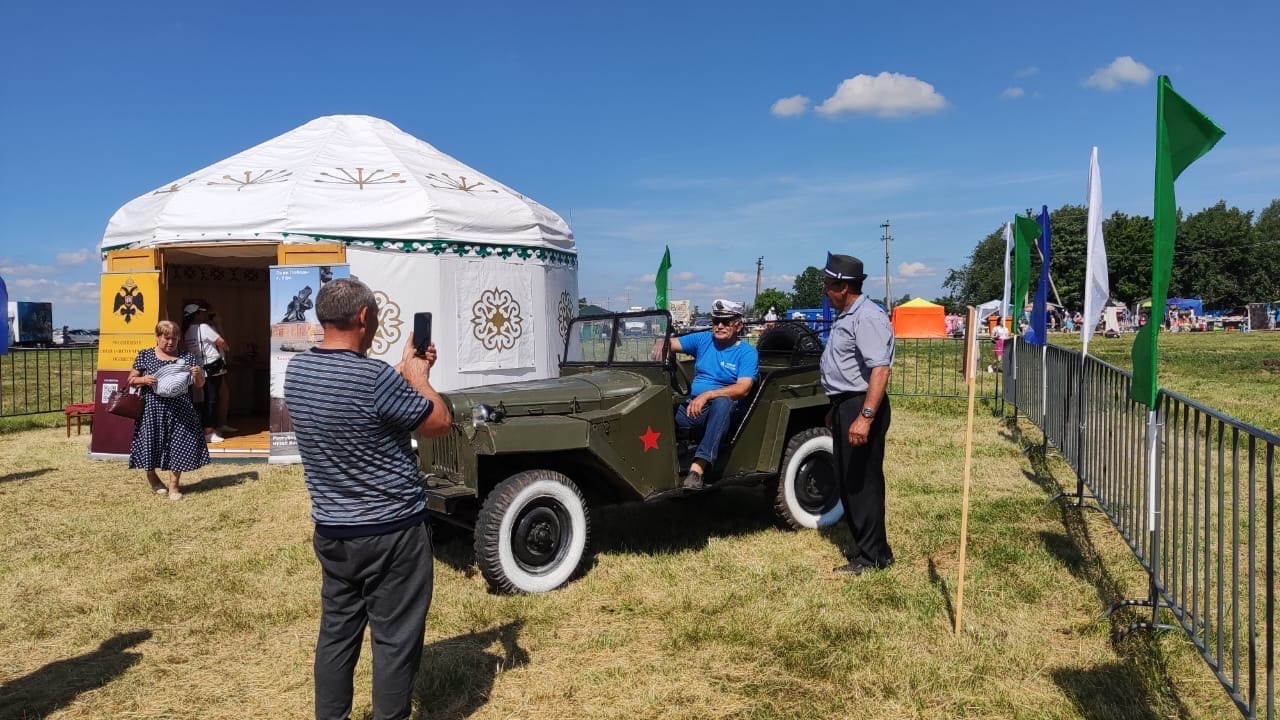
339,302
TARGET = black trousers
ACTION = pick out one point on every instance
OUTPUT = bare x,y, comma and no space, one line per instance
384,582
860,471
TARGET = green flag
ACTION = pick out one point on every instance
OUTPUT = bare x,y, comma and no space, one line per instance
1183,134
660,301
1025,233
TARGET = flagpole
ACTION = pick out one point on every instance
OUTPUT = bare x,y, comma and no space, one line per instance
1044,392
1097,288
1183,134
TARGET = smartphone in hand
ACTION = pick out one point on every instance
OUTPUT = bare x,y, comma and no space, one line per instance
421,332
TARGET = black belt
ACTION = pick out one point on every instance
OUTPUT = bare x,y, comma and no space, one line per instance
838,398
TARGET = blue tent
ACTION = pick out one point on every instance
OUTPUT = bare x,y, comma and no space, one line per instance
1192,304
4,331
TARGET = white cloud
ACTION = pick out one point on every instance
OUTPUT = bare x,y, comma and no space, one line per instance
1122,70
1013,93
884,95
12,268
79,257
684,276
1027,72
697,286
915,270
647,278
59,292
734,278
790,106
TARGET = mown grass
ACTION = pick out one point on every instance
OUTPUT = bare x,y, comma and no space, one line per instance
1234,373
117,604
36,381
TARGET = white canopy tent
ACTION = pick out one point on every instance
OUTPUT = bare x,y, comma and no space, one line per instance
425,231
987,309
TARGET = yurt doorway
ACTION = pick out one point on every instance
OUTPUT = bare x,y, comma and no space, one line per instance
232,282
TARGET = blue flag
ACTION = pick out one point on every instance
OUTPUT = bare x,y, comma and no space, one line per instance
1038,331
4,332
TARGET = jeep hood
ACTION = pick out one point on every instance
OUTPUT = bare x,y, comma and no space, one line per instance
552,396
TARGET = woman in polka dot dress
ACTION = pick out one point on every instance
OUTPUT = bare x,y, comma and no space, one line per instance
169,435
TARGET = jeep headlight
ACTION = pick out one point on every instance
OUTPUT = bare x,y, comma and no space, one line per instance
483,414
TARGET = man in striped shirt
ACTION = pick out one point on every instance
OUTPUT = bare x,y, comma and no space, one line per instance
353,417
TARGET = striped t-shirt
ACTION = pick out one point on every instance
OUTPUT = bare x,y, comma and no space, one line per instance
353,417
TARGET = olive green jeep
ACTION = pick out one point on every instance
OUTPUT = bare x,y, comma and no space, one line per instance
525,461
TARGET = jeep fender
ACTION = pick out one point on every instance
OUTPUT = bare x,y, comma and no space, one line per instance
778,423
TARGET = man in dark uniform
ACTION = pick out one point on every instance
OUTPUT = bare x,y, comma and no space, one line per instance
855,375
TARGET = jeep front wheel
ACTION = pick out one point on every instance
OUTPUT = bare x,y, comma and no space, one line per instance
807,494
532,532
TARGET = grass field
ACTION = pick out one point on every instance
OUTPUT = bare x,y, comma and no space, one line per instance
1234,373
117,604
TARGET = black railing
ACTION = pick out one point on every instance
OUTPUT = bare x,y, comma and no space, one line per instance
1192,492
41,381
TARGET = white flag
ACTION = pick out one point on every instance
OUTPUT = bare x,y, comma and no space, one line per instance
1097,288
1008,250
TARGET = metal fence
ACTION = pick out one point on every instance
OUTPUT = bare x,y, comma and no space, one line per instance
1192,491
40,381
934,367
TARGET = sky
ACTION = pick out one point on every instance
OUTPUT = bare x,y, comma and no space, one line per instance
731,132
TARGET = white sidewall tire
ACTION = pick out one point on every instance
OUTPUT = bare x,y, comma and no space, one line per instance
804,518
522,579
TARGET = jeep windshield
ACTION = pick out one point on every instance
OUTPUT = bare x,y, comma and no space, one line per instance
624,338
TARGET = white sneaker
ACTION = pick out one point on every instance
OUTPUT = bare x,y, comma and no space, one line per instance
212,438
227,429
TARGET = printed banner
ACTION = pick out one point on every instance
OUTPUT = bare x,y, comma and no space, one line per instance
294,329
129,303
560,292
497,319
117,352
405,283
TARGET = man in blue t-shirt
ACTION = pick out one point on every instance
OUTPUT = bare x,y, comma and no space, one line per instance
724,369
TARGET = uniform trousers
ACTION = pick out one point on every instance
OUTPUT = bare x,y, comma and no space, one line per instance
383,582
860,472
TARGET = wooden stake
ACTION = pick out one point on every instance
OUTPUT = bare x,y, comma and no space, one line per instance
971,376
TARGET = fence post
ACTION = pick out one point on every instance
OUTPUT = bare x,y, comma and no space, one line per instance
1153,599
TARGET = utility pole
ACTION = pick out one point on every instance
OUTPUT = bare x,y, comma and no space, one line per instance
887,239
759,270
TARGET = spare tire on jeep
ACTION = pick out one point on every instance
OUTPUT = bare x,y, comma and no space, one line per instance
789,336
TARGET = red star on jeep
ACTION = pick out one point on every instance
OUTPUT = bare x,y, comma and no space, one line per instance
650,439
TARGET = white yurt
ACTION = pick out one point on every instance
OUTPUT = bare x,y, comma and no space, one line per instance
354,195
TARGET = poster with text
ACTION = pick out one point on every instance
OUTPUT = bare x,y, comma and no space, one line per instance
294,329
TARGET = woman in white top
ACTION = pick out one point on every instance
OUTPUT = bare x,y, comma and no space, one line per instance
209,349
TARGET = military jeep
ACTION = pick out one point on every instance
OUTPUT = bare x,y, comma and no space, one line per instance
525,461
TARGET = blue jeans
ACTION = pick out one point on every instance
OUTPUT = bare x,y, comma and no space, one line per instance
713,422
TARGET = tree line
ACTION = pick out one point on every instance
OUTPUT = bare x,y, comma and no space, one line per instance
1222,255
